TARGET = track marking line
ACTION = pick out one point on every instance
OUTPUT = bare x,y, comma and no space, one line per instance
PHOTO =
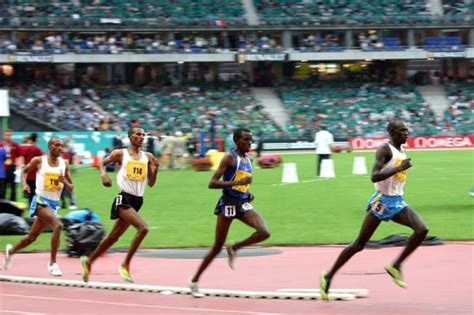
193,309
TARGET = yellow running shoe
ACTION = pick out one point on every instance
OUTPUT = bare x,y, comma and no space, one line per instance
396,275
85,268
324,286
125,274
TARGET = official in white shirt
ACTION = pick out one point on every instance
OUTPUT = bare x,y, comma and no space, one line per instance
323,140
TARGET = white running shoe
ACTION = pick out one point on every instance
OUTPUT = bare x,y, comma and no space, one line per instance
7,261
231,255
54,270
194,289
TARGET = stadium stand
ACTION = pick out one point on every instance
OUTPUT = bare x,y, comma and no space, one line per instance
117,43
154,108
355,109
458,117
67,109
349,12
180,12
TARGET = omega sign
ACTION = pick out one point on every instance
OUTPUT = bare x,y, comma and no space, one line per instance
435,142
366,143
441,142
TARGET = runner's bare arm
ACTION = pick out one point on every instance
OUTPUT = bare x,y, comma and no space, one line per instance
115,156
382,156
67,178
35,163
153,166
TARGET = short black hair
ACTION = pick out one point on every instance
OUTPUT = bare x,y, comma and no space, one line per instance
393,124
34,136
238,133
131,131
52,139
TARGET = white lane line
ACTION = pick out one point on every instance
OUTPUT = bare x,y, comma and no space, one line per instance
190,309
2,311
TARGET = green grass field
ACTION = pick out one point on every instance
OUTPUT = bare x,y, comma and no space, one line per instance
179,209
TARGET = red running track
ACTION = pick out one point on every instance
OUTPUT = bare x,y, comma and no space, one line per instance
440,281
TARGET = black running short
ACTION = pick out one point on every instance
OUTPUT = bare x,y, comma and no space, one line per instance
232,208
125,201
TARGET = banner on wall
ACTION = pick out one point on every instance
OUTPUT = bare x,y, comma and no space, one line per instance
82,141
29,58
427,142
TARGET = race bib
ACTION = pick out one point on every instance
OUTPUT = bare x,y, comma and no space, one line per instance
230,211
378,207
135,170
238,176
52,182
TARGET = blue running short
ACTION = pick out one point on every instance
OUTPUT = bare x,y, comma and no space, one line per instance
385,207
45,202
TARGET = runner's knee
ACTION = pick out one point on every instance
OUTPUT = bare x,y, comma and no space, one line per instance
264,233
422,230
31,237
57,228
142,229
112,239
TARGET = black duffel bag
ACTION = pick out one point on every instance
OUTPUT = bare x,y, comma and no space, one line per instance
83,238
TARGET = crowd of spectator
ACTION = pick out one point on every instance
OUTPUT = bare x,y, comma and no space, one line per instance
60,43
154,108
186,42
356,109
349,12
458,116
457,8
66,109
114,11
349,108
214,13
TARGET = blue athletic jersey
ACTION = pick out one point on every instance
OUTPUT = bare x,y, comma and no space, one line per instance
241,169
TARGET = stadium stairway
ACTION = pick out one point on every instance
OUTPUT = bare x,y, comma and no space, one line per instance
272,105
250,12
436,7
435,96
21,120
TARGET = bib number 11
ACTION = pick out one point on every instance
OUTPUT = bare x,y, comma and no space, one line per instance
229,211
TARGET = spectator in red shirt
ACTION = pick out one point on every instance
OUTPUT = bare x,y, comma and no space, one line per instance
28,151
11,149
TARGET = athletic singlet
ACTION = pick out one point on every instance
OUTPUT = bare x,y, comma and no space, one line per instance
393,186
241,169
133,173
48,184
